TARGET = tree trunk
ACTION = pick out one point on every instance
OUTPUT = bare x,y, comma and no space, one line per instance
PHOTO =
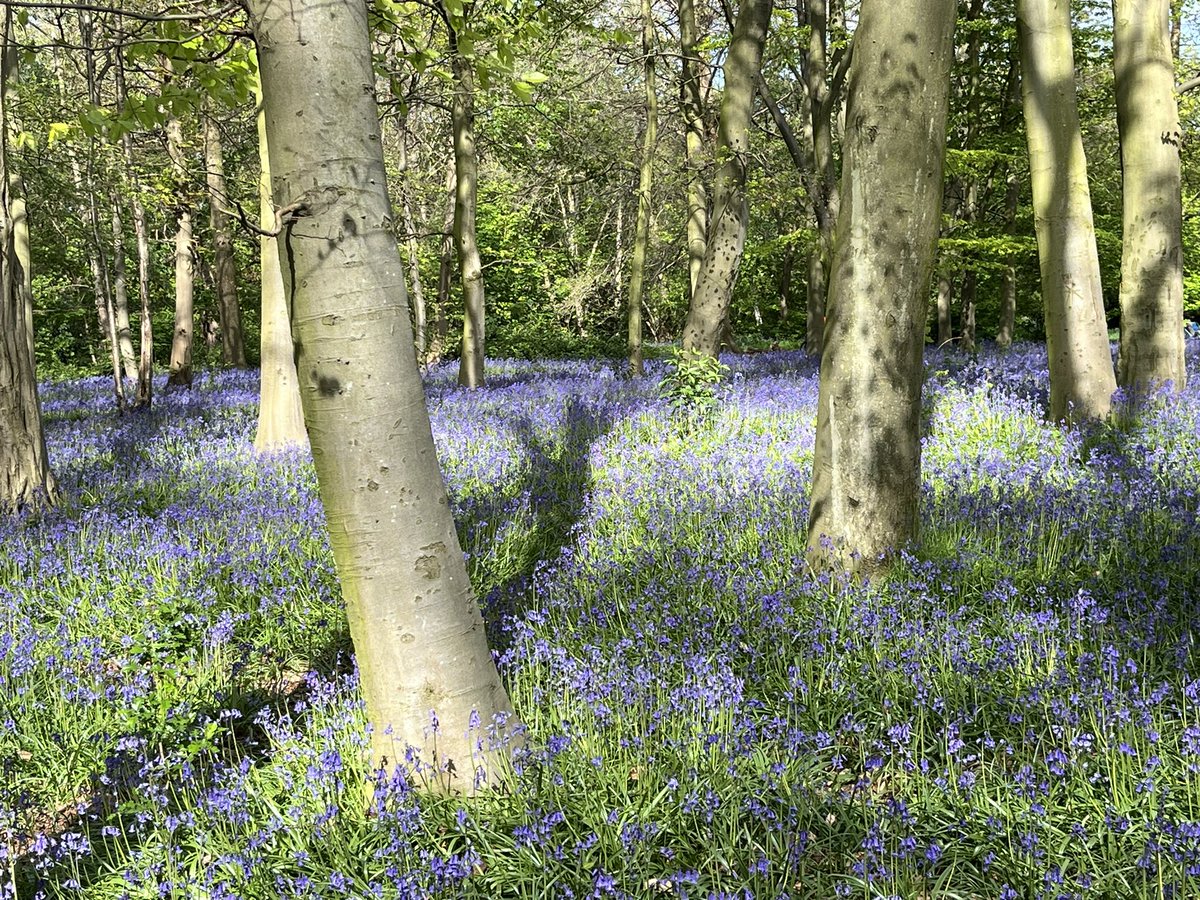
825,197
233,342
180,371
969,284
445,270
641,235
945,300
1152,240
280,417
23,251
121,293
693,122
727,228
410,245
25,478
145,369
1082,380
867,462
466,161
427,674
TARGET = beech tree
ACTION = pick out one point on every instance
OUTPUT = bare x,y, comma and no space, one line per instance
25,477
426,671
641,235
1152,220
1082,380
867,461
727,227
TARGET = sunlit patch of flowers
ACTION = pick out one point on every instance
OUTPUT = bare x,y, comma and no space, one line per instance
1013,713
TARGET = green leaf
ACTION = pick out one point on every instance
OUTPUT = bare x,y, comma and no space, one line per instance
535,77
58,131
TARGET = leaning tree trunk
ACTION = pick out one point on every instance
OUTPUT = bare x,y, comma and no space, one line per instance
466,162
180,370
1152,241
693,123
1082,380
641,235
233,344
430,684
280,416
437,346
420,316
727,228
25,478
867,463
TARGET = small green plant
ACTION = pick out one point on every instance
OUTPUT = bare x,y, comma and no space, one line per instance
690,385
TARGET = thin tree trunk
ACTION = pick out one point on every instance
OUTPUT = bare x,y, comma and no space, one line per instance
693,123
410,245
145,367
1082,379
471,364
641,236
25,477
1152,214
233,342
280,416
727,228
445,269
22,249
426,672
945,300
121,293
867,461
180,370
969,283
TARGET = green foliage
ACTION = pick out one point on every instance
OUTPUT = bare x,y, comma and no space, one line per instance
690,386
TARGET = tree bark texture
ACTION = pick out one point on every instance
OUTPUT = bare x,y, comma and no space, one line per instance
280,416
425,668
233,342
866,466
692,96
180,368
1082,379
727,227
641,234
129,364
25,477
1152,211
825,197
466,162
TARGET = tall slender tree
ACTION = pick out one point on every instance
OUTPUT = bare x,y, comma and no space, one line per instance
25,477
1082,380
233,345
866,466
692,96
425,667
641,236
1152,208
180,371
280,417
727,227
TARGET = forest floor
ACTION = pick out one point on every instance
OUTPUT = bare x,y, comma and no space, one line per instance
1013,713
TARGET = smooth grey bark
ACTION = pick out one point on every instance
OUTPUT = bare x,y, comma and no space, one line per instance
145,365
692,96
825,196
867,461
426,672
280,416
233,343
24,254
641,235
709,305
1152,208
466,161
180,368
410,245
25,478
124,334
945,300
1082,379
437,346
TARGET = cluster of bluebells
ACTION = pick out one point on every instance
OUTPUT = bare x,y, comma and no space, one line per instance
1013,713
